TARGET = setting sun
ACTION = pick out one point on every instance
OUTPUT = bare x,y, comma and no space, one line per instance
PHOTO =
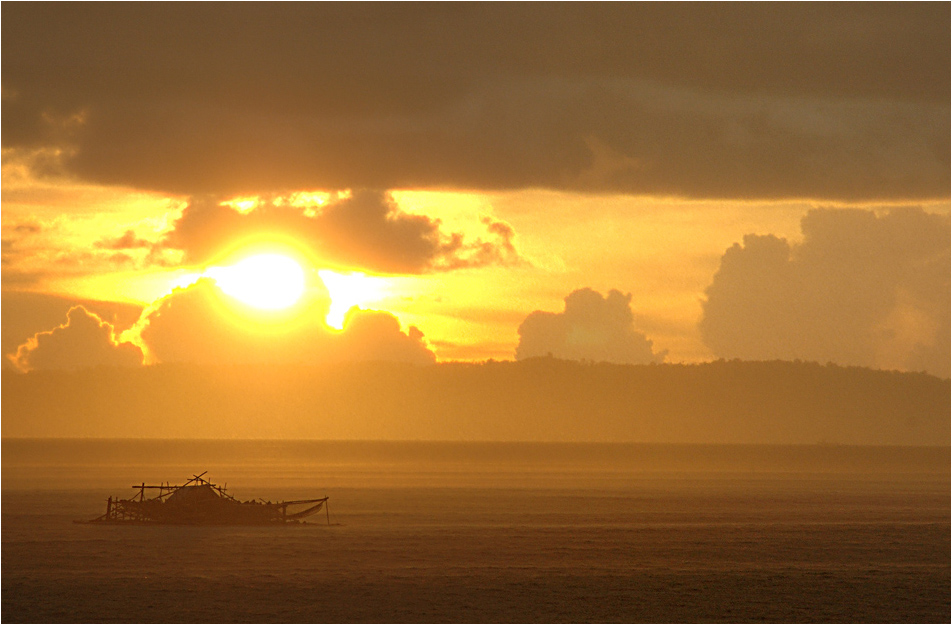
267,281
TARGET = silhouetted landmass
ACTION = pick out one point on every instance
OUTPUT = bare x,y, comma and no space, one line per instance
541,399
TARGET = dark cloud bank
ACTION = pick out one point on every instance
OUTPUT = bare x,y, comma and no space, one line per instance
845,101
860,289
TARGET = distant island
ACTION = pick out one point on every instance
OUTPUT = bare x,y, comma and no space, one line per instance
540,399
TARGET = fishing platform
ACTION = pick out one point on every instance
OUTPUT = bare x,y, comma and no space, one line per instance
201,502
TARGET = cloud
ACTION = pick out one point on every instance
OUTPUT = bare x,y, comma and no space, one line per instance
200,324
754,101
860,289
27,228
26,314
366,230
372,335
128,241
592,327
84,340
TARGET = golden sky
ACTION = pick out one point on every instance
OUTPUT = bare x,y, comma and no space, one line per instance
630,183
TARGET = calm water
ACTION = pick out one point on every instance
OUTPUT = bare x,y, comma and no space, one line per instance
486,532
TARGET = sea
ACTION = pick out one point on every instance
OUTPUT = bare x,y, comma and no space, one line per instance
484,532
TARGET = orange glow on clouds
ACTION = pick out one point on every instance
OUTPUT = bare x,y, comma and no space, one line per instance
243,205
349,290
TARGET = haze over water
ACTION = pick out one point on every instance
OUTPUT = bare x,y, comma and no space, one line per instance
486,532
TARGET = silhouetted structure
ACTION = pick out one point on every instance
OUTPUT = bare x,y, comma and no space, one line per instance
200,502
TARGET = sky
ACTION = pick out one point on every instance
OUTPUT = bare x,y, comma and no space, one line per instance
634,183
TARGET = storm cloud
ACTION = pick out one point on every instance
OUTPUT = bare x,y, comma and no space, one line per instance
592,327
860,289
846,101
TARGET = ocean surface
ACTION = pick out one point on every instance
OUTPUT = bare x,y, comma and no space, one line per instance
485,532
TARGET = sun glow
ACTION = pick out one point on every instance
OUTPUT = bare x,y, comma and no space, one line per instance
243,205
347,291
266,281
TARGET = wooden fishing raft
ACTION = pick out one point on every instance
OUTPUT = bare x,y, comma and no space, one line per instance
200,502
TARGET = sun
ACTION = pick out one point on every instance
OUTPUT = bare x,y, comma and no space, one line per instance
266,281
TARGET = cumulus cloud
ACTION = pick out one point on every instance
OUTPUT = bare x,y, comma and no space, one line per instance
860,289
366,230
84,340
592,327
200,324
715,100
372,335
